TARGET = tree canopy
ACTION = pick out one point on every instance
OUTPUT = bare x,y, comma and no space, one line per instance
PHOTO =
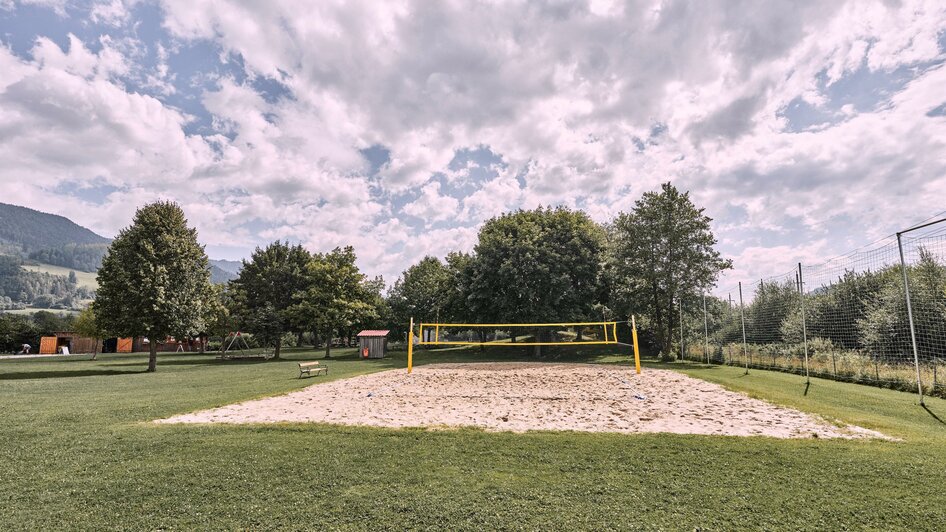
263,294
660,252
155,279
537,266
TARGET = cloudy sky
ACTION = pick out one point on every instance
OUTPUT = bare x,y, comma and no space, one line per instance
806,128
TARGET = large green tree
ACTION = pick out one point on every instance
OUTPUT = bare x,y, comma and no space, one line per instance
155,279
661,251
537,266
263,294
420,292
337,296
541,265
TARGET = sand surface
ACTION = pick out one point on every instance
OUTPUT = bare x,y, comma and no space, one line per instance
531,396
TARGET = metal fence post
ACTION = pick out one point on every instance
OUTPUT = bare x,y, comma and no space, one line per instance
804,320
682,352
742,315
705,331
729,346
906,291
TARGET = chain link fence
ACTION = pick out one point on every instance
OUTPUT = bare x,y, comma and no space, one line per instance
849,318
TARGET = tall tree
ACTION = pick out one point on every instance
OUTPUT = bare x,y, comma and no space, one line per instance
155,279
661,251
421,292
263,292
537,266
337,297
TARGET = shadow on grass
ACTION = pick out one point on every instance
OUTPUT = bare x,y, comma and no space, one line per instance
201,362
64,374
933,414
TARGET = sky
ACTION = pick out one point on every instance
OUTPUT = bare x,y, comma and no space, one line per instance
804,128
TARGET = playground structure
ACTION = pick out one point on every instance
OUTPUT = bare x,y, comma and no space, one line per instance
234,347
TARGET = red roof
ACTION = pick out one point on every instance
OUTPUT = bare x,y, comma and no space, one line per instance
373,333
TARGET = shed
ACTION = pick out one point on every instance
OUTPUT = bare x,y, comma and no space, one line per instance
76,342
372,344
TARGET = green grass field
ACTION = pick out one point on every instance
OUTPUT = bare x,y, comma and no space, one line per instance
77,452
83,279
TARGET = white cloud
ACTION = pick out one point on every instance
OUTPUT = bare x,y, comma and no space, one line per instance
588,104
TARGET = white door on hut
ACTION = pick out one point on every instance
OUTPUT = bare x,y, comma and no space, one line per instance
372,343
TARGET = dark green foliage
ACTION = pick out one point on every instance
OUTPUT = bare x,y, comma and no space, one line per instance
16,330
155,279
884,327
82,257
773,304
263,293
660,253
536,266
421,292
337,297
31,230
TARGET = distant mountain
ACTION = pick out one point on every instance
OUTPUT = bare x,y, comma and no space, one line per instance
218,275
24,230
231,266
55,240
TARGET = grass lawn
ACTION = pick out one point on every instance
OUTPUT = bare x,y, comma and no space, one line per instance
77,452
83,279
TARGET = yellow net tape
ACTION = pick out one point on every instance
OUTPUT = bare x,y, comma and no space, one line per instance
509,334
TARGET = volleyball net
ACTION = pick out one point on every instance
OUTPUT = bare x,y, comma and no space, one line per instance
517,334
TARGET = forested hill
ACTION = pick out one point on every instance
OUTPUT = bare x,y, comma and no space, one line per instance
24,230
45,238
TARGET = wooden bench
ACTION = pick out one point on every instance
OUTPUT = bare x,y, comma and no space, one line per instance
311,368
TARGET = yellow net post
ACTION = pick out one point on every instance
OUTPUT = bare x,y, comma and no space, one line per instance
637,355
410,347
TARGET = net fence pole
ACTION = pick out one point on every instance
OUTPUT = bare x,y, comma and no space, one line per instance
804,320
729,347
742,316
906,292
705,331
682,352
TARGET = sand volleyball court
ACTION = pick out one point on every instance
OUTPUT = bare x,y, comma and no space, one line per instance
520,397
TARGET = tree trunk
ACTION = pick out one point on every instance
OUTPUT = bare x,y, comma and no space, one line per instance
277,347
200,344
95,349
328,345
152,354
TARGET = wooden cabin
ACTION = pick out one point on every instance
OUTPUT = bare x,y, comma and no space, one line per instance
372,343
72,342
